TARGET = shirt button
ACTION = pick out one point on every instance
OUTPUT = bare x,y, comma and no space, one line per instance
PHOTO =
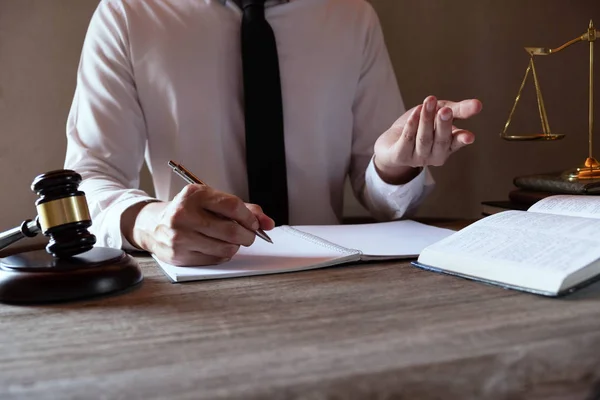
110,242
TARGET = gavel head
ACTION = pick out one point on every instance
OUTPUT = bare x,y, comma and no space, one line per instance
63,213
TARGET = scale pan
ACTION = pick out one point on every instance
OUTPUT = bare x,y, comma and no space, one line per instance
538,136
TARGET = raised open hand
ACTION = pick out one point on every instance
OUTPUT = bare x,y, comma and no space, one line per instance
424,135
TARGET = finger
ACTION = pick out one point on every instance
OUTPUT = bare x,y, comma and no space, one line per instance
223,229
191,259
400,122
442,138
225,205
460,139
266,222
192,210
424,140
463,109
404,147
191,248
207,245
196,219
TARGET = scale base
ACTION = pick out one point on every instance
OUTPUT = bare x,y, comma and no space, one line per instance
37,277
589,170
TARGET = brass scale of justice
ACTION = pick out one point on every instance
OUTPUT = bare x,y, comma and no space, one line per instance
590,169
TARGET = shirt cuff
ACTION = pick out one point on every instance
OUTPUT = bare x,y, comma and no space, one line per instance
108,229
387,201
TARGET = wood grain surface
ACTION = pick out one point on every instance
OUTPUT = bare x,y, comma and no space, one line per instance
376,331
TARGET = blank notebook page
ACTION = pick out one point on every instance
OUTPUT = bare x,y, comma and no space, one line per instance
395,238
290,252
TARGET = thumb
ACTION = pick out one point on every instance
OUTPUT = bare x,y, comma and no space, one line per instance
460,139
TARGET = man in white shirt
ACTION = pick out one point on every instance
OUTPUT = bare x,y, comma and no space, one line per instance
161,80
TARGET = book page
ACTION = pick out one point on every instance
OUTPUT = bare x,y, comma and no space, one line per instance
539,242
290,251
574,205
393,239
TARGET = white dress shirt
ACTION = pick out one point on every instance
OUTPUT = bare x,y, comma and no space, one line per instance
161,80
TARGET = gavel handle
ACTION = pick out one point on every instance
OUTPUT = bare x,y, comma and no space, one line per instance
28,228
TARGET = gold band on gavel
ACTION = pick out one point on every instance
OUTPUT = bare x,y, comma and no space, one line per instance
63,211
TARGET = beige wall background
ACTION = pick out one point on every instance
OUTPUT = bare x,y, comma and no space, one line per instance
452,49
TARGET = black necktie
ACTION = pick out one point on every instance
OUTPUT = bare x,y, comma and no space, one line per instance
265,148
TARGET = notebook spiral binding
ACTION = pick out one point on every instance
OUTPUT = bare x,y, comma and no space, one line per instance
317,240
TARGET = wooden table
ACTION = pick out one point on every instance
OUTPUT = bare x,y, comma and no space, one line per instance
385,330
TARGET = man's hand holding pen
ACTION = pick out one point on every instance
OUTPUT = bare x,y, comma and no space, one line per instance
191,231
200,226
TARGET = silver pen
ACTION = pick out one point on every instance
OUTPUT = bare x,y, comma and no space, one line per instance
192,179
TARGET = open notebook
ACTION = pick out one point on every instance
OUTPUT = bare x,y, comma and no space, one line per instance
297,248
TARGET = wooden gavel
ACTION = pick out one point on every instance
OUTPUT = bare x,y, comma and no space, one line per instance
63,216
71,267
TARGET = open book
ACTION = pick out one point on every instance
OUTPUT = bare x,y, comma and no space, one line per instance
551,249
297,248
